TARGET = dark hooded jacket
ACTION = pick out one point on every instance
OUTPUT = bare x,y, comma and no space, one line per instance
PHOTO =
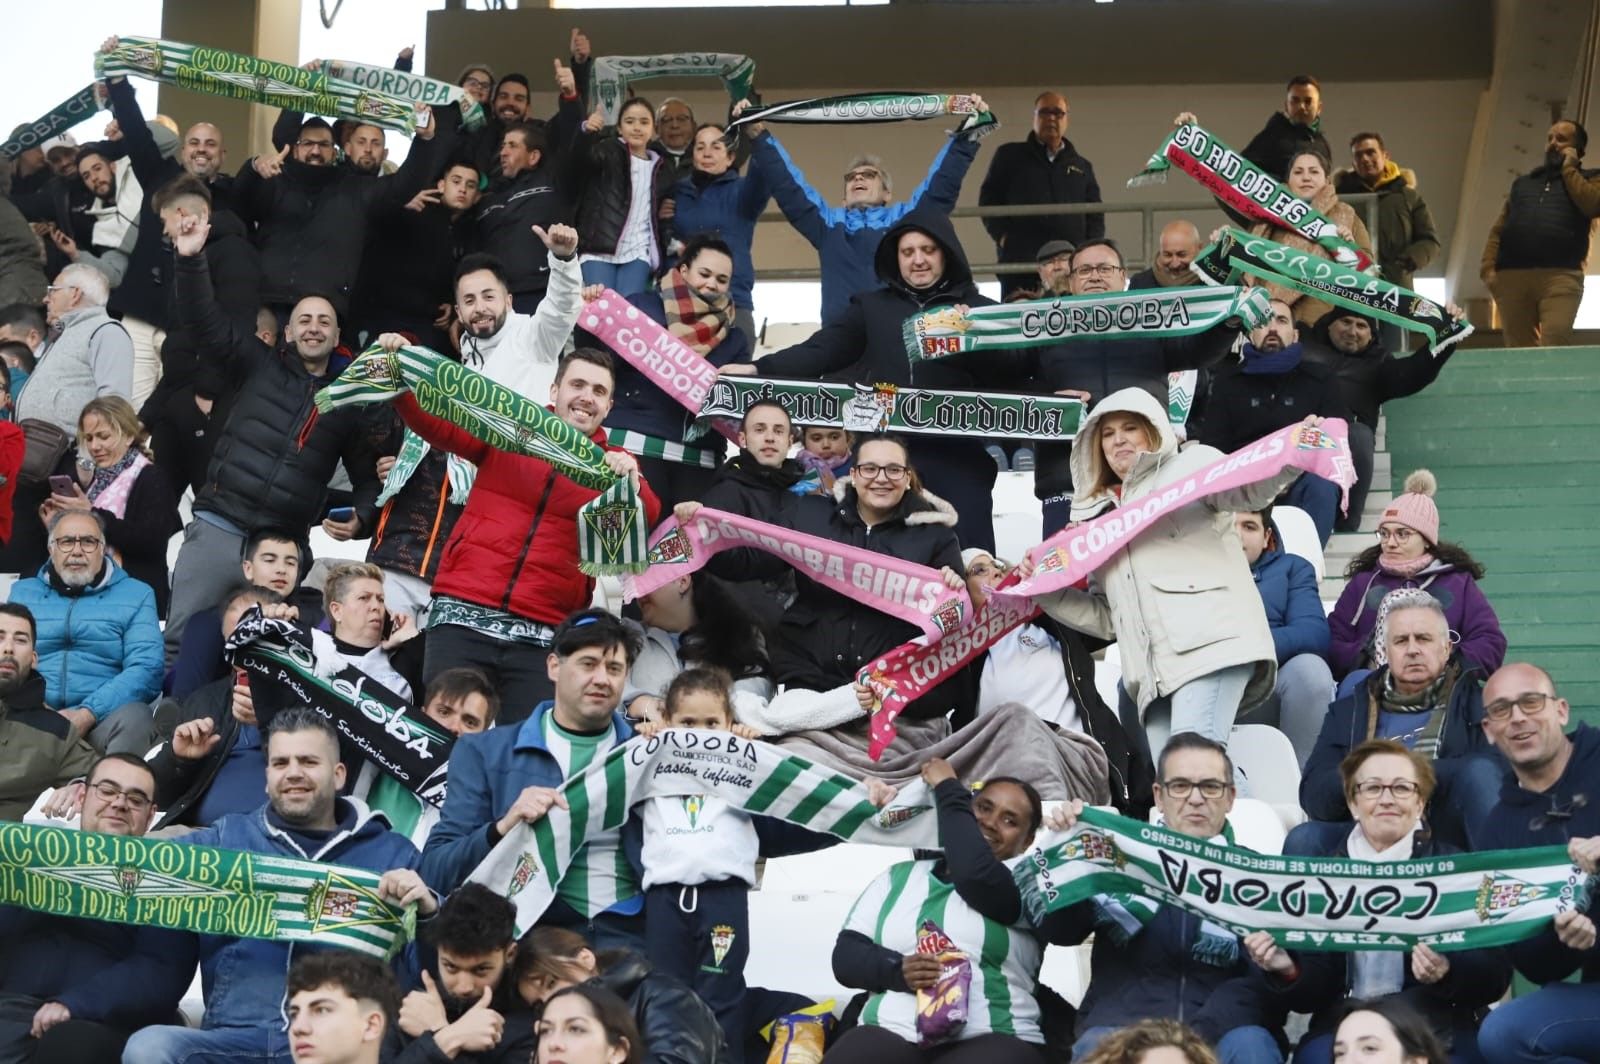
1372,376
1280,140
1242,407
678,1028
744,486
235,267
502,224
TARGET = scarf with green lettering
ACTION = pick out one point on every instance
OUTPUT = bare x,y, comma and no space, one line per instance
54,122
201,889
879,107
1245,188
1147,314
404,85
1237,252
1464,901
216,72
612,75
611,529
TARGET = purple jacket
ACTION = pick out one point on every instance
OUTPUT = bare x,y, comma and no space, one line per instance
1473,623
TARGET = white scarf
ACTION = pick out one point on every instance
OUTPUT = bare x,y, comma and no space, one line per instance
1378,973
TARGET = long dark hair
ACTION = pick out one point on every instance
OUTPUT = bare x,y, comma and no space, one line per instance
1416,1037
613,1016
1449,553
725,634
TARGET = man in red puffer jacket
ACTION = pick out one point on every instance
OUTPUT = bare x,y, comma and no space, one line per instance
510,573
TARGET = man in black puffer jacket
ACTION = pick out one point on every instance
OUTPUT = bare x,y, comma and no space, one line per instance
275,456
921,265
1294,129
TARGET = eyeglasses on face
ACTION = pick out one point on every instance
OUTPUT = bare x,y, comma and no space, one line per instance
1371,789
1210,790
304,143
865,173
1531,703
475,83
138,801
72,543
1050,112
1103,269
1397,535
872,470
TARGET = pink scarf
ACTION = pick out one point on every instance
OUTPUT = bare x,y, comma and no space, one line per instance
113,498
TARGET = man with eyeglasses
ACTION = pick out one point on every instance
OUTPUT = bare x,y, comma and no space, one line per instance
1045,168
86,353
1161,961
98,638
41,748
1551,797
73,989
1427,696
1090,370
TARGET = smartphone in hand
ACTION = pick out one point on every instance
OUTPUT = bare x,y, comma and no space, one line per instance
341,514
63,485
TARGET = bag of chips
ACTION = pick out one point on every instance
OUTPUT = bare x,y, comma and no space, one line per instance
942,1008
800,1037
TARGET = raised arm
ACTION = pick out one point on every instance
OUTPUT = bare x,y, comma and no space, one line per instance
149,165
439,432
832,348
806,210
942,187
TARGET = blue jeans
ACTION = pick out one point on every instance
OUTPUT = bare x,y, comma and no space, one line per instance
625,278
1317,497
1298,703
1557,1025
1206,705
219,1045
1468,787
1242,1045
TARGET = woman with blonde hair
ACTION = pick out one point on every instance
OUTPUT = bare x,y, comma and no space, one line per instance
134,500
1153,1042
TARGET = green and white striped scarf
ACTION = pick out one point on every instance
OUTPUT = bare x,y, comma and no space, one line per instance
1237,252
404,85
611,529
54,122
203,889
216,72
413,449
1147,314
530,863
878,107
611,75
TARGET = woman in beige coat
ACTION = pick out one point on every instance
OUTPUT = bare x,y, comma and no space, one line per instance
1308,180
1179,600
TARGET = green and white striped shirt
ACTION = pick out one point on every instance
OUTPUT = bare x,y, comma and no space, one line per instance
599,876
1005,960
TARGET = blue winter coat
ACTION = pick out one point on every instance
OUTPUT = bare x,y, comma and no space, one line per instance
1289,591
487,773
642,405
243,978
99,647
847,239
727,207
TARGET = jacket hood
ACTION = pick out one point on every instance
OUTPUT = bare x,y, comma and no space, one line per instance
917,508
1582,771
746,469
1086,459
110,574
957,272
30,696
1347,180
1320,338
225,223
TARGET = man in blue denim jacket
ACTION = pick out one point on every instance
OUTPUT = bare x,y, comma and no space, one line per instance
304,818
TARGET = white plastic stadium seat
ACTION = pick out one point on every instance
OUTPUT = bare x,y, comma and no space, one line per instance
1107,674
1266,760
1257,826
1299,536
1017,516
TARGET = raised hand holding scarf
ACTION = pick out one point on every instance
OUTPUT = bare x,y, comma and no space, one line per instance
864,107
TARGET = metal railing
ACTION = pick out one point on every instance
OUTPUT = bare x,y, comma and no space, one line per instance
1366,202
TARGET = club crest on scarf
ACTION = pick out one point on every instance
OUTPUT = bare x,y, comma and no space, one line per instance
1095,846
128,877
872,408
949,616
526,869
1501,895
675,546
611,523
1311,438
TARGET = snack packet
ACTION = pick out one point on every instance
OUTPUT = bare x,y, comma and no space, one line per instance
942,1008
800,1037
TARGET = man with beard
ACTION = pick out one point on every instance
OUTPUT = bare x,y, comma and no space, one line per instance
519,351
1180,243
1271,388
42,748
469,1011
1295,128
103,980
304,819
98,638
112,214
275,455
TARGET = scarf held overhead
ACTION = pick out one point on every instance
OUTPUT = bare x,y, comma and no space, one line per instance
611,75
895,408
202,889
404,85
1237,252
611,529
1246,188
216,72
914,593
878,107
1071,554
529,863
1145,314
54,122
1467,901
405,743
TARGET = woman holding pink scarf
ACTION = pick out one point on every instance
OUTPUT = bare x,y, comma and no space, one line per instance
131,496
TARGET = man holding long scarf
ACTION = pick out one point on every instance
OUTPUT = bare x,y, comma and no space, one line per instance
510,571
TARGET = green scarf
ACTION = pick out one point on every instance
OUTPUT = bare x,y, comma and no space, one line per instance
245,77
1238,252
1465,901
611,529
404,85
1148,314
893,408
611,75
878,107
1246,188
203,889
413,449
54,122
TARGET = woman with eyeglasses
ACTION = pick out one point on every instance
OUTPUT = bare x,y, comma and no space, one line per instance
1387,787
1409,553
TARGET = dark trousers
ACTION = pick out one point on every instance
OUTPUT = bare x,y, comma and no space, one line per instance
1317,497
701,935
874,1045
518,670
72,1042
675,482
961,473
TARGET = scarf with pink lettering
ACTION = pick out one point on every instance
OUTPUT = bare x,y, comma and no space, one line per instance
1071,554
666,361
911,592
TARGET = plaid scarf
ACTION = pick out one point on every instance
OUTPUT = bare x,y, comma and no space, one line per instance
1433,701
691,317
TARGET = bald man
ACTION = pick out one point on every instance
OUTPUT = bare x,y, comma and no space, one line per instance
1180,243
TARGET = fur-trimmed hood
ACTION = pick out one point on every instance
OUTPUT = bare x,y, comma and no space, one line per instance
917,508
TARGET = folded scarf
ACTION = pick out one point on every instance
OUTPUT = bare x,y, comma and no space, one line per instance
1271,363
110,488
